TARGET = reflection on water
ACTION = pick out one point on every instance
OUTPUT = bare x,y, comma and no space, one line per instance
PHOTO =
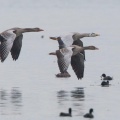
74,98
78,98
10,101
62,95
78,94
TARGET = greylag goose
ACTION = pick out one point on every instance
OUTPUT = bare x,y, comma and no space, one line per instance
11,41
89,115
69,114
106,77
77,61
64,57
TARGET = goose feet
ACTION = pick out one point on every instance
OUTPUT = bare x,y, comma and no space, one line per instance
66,74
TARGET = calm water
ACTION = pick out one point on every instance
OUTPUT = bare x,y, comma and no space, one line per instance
28,87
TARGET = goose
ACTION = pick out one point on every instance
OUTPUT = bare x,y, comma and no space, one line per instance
89,115
11,41
64,58
106,77
77,61
69,114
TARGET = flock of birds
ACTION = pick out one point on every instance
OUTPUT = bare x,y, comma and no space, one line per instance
71,51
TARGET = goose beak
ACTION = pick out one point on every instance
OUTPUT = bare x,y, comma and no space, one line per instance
53,38
97,34
96,48
41,30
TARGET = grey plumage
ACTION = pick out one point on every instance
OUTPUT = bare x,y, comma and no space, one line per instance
77,61
11,41
64,58
16,48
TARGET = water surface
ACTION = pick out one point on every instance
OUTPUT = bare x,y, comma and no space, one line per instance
28,86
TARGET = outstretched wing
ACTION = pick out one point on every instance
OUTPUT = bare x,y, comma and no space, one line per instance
77,63
64,58
16,48
79,43
6,43
67,39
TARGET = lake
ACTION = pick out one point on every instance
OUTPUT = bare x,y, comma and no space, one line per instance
28,87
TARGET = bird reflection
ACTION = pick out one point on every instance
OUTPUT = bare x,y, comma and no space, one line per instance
10,101
78,94
3,94
78,98
62,95
73,98
3,97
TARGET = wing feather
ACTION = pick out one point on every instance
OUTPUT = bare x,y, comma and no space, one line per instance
16,48
64,58
77,63
5,47
7,39
67,39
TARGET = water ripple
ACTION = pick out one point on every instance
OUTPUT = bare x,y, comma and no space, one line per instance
10,101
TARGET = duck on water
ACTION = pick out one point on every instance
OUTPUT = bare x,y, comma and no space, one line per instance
69,114
105,83
89,115
104,77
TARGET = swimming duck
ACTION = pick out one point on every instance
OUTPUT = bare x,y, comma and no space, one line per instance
69,114
89,115
106,77
105,83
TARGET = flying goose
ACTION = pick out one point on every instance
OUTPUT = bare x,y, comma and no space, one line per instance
11,41
62,114
69,39
89,115
64,58
77,61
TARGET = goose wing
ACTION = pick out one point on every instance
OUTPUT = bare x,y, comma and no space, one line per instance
6,43
64,58
67,39
79,43
77,63
16,48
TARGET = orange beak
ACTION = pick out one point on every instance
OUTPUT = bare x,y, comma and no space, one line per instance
41,30
53,38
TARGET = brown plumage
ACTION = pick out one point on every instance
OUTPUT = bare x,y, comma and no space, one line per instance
77,61
11,41
64,58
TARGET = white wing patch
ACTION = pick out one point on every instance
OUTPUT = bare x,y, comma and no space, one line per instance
9,35
67,39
